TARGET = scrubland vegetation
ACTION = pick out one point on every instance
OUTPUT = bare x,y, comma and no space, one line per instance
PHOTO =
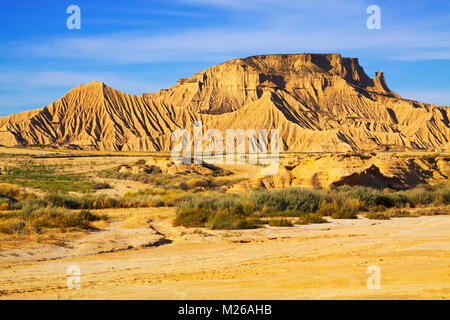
200,200
247,209
34,219
184,180
49,178
218,210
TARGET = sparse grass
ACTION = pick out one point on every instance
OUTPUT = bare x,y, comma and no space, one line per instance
404,213
198,200
10,194
377,216
287,200
167,181
36,219
101,201
367,196
191,217
344,215
11,191
396,213
184,180
222,218
135,221
101,185
280,222
311,218
212,209
14,226
433,211
45,177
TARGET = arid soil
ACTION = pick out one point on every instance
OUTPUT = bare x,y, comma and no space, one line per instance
139,254
303,262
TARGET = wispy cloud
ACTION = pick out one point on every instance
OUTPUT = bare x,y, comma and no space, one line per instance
201,44
279,5
199,32
157,12
255,26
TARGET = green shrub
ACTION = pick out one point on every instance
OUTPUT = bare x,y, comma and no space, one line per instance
250,223
397,213
347,209
344,215
13,226
47,177
292,199
328,208
419,196
10,190
309,205
62,200
223,220
280,222
444,195
191,217
377,216
50,217
311,218
342,208
198,183
368,196
37,218
29,205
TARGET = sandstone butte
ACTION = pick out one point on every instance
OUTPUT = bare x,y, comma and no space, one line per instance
318,102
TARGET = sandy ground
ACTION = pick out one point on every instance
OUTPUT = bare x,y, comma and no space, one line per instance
304,262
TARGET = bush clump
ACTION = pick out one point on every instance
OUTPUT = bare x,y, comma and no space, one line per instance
280,222
34,218
377,216
292,199
311,218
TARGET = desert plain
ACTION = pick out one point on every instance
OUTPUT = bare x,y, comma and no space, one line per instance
93,205
139,253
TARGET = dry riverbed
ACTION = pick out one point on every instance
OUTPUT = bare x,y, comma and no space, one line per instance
138,254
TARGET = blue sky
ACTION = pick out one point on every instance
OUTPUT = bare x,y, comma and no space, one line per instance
141,46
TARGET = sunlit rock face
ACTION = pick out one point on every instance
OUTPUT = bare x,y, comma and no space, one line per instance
318,103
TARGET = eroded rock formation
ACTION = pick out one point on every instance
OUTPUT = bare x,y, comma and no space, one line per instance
318,102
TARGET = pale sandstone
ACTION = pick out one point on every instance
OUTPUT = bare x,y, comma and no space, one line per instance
318,102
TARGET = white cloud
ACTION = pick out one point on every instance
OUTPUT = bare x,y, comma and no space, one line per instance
256,27
324,5
207,44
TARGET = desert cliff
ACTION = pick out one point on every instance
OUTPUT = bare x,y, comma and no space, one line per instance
318,102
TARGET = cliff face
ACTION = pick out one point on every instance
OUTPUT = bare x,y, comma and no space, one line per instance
229,86
318,102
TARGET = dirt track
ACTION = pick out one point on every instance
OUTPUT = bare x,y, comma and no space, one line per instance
303,262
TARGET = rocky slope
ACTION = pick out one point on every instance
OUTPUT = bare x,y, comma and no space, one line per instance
318,102
385,170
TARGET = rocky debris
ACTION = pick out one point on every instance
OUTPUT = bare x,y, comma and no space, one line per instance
379,171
